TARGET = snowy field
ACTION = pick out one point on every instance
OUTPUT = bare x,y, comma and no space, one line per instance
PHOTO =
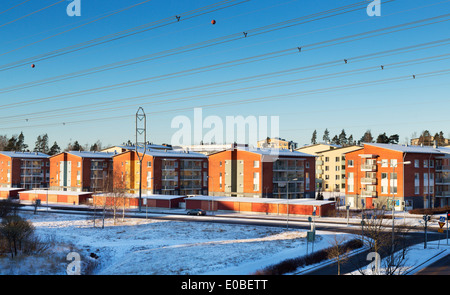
155,247
146,246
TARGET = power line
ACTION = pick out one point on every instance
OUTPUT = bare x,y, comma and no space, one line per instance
74,28
277,96
31,13
120,35
17,5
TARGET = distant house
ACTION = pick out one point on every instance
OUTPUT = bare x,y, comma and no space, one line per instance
276,143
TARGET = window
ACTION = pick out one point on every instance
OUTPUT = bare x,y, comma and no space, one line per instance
336,168
431,164
326,168
425,163
384,163
350,163
394,163
255,164
337,177
149,164
416,183
350,185
78,164
384,183
416,164
256,181
327,159
205,164
337,159
307,164
393,183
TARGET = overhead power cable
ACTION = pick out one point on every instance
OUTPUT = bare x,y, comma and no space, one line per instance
127,104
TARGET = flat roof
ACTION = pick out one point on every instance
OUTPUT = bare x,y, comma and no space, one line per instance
13,154
160,197
55,192
407,148
304,201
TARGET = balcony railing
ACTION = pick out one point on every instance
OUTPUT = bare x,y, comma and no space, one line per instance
443,168
443,194
367,180
369,167
443,181
368,194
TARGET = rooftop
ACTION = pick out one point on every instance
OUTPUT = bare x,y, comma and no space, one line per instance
409,148
33,155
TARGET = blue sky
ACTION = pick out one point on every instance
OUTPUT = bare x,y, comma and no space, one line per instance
402,107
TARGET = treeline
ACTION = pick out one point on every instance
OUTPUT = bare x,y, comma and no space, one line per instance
42,145
341,139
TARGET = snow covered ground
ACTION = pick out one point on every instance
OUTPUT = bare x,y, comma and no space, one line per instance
149,246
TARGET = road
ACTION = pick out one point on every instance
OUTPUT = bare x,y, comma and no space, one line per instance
440,267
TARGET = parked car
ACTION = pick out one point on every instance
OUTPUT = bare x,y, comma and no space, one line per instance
196,212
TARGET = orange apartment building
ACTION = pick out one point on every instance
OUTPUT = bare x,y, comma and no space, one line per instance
164,172
262,173
407,176
24,169
81,171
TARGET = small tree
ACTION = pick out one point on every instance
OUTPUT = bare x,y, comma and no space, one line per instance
14,229
338,252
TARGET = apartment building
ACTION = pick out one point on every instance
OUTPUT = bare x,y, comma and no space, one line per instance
389,175
262,173
314,149
164,172
330,169
81,171
276,143
442,183
24,169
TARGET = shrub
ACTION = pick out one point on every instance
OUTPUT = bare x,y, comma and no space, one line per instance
291,265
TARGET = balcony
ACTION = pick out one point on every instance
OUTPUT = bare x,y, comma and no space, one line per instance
369,168
442,181
287,168
443,194
445,168
366,180
371,194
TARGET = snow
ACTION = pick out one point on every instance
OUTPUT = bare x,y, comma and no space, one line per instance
147,246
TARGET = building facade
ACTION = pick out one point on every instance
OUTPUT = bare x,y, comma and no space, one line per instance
276,143
330,169
165,172
81,171
262,173
24,170
394,175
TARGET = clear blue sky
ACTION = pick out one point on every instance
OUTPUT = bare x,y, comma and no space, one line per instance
401,107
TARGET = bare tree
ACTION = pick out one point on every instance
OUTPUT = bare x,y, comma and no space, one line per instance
385,240
338,252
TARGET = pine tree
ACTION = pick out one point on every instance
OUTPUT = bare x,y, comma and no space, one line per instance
367,137
20,144
314,137
343,138
76,146
382,138
55,149
326,136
